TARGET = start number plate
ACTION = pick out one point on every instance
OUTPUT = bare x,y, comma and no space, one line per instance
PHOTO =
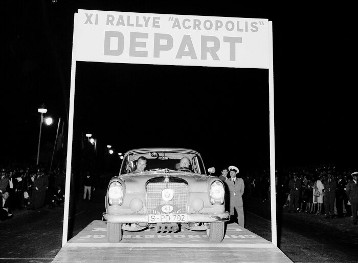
167,218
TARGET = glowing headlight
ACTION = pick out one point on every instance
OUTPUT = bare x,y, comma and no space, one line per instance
217,192
115,193
167,194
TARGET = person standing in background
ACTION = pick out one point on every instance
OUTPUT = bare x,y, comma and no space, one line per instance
88,184
330,186
320,188
295,186
340,194
352,192
223,175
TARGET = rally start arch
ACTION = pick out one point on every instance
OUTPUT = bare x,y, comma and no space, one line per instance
167,39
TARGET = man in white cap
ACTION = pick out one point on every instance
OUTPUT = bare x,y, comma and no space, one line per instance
236,188
352,193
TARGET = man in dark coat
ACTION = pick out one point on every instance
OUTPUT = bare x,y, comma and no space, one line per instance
223,177
352,192
330,186
340,195
295,185
37,187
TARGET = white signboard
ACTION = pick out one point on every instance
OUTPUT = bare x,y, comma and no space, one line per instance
163,39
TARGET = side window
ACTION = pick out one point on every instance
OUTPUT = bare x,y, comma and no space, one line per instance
196,168
127,166
130,167
199,165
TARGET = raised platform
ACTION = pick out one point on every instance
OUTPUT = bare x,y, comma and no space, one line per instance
239,245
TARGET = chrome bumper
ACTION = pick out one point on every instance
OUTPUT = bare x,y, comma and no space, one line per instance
191,218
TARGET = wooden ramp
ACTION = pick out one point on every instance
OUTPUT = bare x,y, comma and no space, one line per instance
239,245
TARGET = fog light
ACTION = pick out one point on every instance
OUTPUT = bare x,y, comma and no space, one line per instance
197,205
136,204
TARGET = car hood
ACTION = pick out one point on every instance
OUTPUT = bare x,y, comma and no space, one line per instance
137,182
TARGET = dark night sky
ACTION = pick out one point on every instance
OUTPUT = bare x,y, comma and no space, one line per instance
216,111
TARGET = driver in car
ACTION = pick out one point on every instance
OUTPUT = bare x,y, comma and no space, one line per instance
141,164
184,164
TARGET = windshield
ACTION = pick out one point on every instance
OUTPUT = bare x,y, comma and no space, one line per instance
183,161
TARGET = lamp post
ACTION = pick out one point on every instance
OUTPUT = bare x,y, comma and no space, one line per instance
42,110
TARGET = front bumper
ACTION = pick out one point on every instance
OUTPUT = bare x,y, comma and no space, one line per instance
191,218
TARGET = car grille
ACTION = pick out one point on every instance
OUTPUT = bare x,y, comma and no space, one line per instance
154,196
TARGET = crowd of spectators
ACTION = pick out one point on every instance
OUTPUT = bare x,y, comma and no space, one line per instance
318,190
29,188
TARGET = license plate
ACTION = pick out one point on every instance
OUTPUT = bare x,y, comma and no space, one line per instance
167,218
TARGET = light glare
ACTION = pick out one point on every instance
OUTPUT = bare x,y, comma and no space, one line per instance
48,121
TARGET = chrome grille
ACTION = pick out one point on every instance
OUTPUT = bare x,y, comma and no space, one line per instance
154,196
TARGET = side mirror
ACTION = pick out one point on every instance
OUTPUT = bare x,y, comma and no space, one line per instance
211,170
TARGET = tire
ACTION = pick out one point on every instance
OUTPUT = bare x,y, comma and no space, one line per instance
216,232
114,232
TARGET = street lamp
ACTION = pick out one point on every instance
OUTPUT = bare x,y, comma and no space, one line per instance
48,121
42,110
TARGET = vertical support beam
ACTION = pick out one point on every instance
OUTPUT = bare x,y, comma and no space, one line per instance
70,139
39,142
55,143
272,140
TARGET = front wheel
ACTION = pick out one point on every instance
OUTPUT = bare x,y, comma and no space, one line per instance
114,232
216,232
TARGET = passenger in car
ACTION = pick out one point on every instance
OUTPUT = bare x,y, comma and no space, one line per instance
184,164
141,164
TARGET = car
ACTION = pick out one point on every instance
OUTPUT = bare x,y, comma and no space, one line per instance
165,197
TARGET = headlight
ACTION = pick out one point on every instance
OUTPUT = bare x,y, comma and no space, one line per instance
217,193
115,193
